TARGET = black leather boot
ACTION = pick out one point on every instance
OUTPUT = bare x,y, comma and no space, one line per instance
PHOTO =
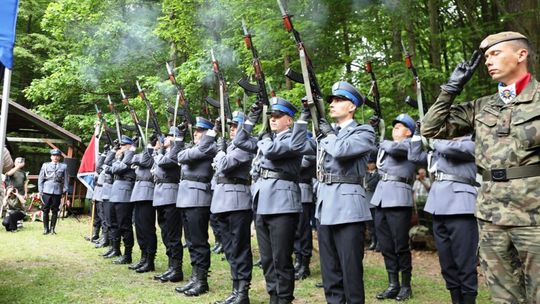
243,293
126,258
201,284
455,295
176,275
405,292
103,241
46,229
140,262
115,249
158,277
303,271
191,281
54,218
106,253
148,265
232,296
469,299
297,262
393,287
372,246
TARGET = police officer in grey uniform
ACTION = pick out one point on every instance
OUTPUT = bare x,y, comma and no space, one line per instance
342,209
276,195
108,209
96,197
194,199
231,205
144,213
166,177
52,183
396,161
452,201
124,179
370,184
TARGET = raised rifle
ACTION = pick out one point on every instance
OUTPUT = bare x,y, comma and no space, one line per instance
117,121
152,113
376,98
134,117
410,66
180,100
260,87
307,77
225,113
103,124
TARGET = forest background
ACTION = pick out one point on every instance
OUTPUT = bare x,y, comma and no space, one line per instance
71,54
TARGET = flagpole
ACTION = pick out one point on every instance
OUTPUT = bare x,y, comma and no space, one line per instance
4,113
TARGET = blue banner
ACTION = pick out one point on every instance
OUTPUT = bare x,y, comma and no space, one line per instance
8,21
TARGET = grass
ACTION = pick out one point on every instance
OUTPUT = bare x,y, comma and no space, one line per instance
64,268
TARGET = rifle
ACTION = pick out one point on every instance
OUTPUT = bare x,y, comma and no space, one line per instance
117,121
103,124
376,98
260,86
134,117
224,106
410,66
153,115
307,77
180,100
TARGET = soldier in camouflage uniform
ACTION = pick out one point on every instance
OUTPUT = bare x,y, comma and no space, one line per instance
506,127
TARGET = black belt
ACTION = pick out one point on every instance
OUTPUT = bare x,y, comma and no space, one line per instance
439,176
505,174
305,181
167,180
232,180
343,179
265,173
119,178
99,185
140,179
200,179
387,177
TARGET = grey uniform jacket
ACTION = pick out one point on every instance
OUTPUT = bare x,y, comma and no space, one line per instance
397,159
98,185
196,163
235,164
455,157
106,176
124,178
166,175
53,178
308,169
345,154
143,190
282,154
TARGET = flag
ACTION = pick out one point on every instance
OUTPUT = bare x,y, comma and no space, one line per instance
8,21
87,170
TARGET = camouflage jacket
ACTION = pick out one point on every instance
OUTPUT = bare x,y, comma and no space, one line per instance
507,135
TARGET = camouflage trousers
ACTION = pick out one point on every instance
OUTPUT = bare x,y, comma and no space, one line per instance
510,259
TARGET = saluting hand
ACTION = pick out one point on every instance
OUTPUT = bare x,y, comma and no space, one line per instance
462,74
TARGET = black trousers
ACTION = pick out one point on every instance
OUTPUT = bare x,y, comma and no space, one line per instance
392,227
235,227
110,218
196,220
370,225
100,212
11,219
170,221
303,238
456,238
215,228
97,218
51,203
275,235
341,262
145,226
124,217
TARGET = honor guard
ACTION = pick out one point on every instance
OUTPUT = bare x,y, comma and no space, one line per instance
166,177
108,208
52,184
194,198
342,209
396,162
97,198
231,204
276,195
506,127
144,213
371,179
124,179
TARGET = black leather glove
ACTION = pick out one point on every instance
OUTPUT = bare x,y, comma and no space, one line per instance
153,139
116,144
255,112
182,128
106,147
221,144
417,129
217,125
305,115
462,74
325,128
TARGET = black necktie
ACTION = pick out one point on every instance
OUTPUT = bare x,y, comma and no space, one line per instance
338,128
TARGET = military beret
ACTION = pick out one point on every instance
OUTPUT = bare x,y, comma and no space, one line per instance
55,152
491,40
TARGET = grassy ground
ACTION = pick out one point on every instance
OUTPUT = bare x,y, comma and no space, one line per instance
64,268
